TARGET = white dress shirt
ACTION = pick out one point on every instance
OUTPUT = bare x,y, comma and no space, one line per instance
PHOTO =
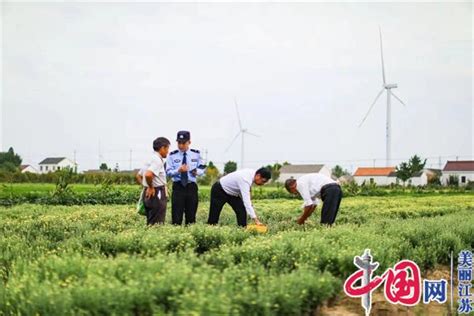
238,183
309,186
157,166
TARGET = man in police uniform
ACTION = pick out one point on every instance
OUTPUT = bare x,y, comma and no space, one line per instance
184,166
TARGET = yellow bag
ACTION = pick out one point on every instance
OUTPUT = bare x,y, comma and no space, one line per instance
262,229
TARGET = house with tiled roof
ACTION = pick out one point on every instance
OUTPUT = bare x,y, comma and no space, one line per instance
379,175
53,164
296,171
462,170
388,175
423,177
28,168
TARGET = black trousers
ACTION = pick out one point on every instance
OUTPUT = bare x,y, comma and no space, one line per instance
331,196
155,206
184,201
218,199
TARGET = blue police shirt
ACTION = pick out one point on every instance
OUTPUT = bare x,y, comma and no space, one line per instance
193,161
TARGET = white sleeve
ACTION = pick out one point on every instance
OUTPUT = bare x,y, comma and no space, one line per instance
304,192
155,167
244,188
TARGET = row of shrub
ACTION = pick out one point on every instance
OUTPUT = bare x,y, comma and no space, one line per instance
109,193
53,177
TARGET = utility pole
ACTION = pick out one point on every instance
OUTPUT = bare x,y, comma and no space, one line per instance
75,162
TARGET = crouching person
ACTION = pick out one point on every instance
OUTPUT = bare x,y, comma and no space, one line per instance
311,188
234,189
153,178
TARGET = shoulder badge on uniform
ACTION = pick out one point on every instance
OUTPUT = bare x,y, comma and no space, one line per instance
174,152
195,151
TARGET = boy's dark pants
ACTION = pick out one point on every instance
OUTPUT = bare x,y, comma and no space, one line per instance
155,207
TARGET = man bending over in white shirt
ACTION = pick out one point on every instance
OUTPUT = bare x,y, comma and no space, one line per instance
315,186
234,189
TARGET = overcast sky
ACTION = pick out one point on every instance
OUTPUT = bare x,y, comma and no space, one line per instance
114,76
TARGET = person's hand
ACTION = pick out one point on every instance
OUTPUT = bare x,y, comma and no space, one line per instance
257,222
183,168
150,192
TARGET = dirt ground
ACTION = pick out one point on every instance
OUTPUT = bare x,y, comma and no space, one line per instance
347,306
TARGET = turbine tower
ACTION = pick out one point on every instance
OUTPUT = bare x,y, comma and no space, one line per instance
242,132
388,87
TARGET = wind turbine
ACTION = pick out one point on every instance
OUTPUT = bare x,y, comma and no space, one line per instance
242,132
388,87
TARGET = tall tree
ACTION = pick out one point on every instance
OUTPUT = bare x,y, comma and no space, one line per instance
406,170
230,166
276,171
103,167
416,164
338,172
403,172
211,174
11,157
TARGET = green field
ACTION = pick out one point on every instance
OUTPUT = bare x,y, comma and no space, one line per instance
98,260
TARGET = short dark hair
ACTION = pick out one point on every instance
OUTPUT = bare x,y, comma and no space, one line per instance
289,183
160,142
264,173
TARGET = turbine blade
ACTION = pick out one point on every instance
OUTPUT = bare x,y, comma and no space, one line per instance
252,134
238,114
233,141
370,109
399,100
381,56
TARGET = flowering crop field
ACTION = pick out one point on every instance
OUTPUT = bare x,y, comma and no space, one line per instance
98,260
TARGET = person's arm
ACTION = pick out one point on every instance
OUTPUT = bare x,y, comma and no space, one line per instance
150,190
171,169
307,211
154,169
201,167
309,206
139,177
245,194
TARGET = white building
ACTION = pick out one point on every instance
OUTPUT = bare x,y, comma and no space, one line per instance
55,164
379,176
419,179
296,171
28,168
462,170
387,176
423,177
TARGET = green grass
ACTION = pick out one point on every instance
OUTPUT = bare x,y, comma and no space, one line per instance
90,260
